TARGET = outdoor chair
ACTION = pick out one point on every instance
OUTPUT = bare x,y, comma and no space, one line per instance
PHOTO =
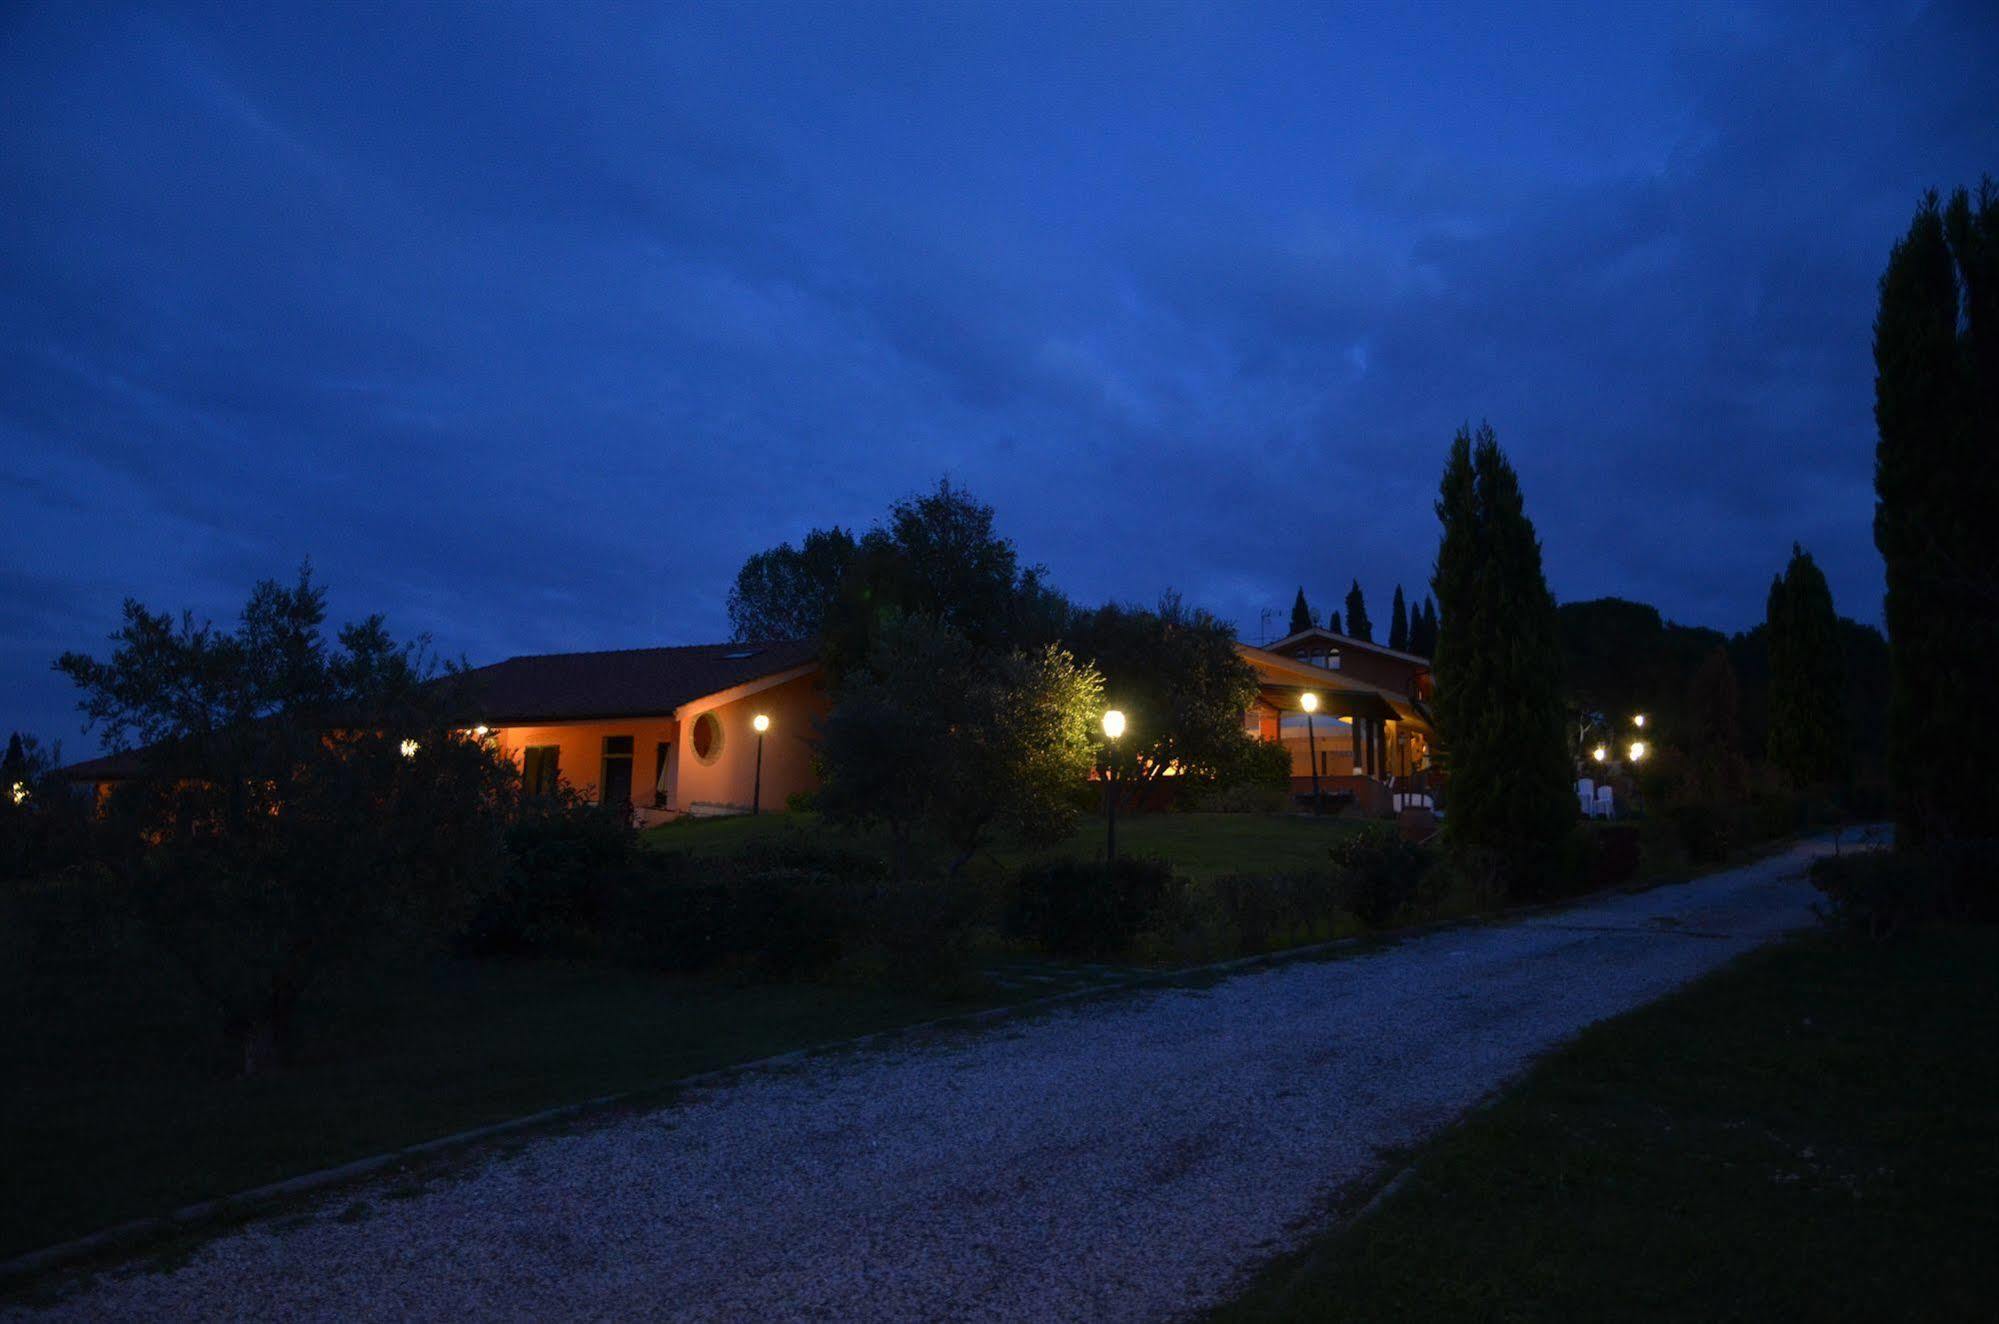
1606,803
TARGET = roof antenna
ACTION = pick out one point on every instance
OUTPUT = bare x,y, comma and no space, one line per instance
1263,628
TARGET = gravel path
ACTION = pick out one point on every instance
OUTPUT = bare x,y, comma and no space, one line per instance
1124,1159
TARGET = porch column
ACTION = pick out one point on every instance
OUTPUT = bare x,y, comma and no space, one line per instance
1359,760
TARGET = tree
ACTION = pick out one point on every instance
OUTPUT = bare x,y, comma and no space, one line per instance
1423,628
300,801
1358,626
932,732
1333,623
938,556
783,593
1717,772
1499,701
1936,478
1176,675
1301,614
42,826
1806,705
1398,623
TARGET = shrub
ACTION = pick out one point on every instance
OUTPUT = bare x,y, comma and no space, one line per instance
1382,877
1085,907
1880,892
566,858
1614,854
1704,830
1240,798
801,802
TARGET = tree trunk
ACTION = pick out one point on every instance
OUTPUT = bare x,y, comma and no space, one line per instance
266,1037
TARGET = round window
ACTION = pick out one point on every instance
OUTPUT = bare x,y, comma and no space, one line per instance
707,738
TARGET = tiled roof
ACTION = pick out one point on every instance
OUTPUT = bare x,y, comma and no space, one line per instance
633,682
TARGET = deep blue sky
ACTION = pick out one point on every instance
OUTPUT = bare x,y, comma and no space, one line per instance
528,323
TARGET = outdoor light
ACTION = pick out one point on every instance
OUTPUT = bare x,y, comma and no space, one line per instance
482,731
1113,728
760,723
1113,723
1600,753
1310,703
1637,750
20,792
1639,721
409,748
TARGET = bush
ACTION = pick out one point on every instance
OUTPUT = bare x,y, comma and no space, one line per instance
566,859
1704,830
1240,798
1614,852
1879,892
1087,908
1381,877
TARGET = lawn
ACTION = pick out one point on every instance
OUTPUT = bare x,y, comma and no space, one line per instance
1199,845
119,1101
1812,1133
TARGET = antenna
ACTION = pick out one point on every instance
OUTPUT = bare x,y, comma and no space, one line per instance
1263,627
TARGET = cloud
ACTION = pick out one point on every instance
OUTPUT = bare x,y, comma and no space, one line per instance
528,329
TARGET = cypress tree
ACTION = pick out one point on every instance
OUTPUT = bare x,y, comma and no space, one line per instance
1333,623
1936,479
1398,623
1807,679
1301,614
1423,628
1499,705
1358,626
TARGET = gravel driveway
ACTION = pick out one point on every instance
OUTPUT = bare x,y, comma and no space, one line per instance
1129,1158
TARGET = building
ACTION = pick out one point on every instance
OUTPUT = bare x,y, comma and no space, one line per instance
673,732
1371,737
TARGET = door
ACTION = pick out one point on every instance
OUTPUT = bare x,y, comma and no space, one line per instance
616,783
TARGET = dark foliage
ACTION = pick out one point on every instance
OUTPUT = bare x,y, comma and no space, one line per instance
1500,703
1936,408
783,593
1880,893
1398,623
1381,878
1358,625
1807,714
302,803
1423,629
1087,908
1301,613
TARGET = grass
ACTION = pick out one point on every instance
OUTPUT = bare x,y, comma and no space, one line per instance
1199,845
1812,1133
120,1104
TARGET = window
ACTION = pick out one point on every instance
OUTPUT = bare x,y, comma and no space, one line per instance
707,738
540,769
615,787
741,654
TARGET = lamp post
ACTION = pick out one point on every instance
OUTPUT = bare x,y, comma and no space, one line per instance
1310,703
1113,728
762,724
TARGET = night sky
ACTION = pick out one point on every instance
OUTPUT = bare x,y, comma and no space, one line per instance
528,324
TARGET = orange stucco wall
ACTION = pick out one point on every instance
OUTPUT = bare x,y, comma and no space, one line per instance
727,778
794,709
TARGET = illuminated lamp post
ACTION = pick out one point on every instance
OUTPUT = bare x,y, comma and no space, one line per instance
1113,728
1310,703
762,724
1601,753
1637,750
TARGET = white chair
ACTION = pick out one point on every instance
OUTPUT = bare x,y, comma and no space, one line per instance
1588,803
1606,803
1585,786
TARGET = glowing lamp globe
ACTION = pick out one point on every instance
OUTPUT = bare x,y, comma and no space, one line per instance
1600,753
761,722
1309,702
1637,750
1113,724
